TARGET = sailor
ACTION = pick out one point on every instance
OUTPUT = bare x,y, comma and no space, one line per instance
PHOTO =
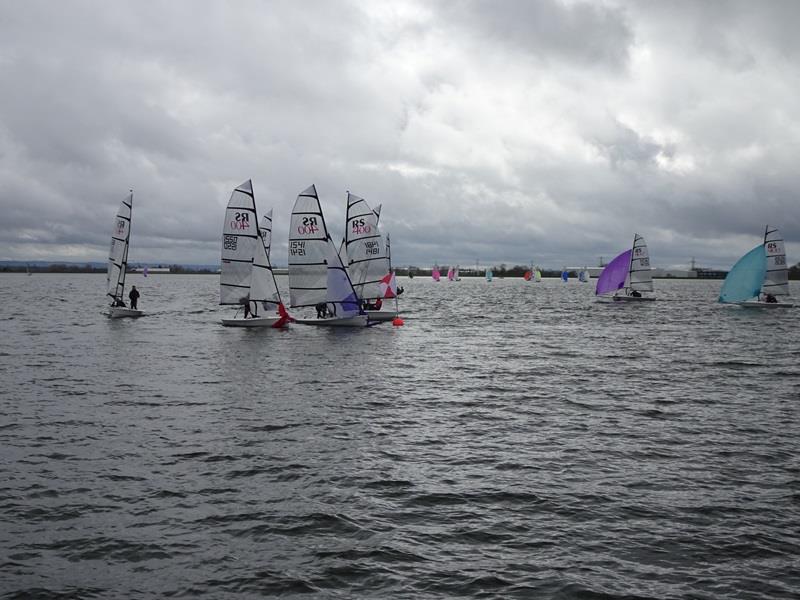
636,294
118,302
322,310
769,298
134,296
247,313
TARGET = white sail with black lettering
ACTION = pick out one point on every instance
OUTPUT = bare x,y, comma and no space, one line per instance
239,239
118,255
266,231
366,252
308,250
640,277
776,279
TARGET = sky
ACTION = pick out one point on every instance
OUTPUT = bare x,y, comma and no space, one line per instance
511,131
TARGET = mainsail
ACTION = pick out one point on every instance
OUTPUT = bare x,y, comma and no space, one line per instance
365,250
435,273
239,237
640,278
118,255
308,249
776,279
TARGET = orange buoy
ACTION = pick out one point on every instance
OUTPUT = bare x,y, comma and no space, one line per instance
397,322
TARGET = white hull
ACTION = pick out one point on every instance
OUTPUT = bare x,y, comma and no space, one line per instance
633,298
119,312
356,321
381,315
255,322
758,304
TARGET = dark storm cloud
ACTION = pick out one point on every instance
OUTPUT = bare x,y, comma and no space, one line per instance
505,132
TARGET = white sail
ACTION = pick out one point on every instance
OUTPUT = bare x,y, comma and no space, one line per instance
366,252
308,250
776,279
340,291
266,231
118,255
239,237
640,277
263,287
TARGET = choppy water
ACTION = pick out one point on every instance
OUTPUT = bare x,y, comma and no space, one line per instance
513,440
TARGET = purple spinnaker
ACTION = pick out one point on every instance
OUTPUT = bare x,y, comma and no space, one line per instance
613,276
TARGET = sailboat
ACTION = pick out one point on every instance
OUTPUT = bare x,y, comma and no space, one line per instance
489,274
246,277
435,275
759,276
456,276
629,273
317,275
449,273
118,261
537,276
565,275
366,255
583,276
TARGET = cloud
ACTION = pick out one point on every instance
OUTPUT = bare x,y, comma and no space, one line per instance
547,131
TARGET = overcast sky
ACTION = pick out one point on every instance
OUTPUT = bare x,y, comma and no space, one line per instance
500,131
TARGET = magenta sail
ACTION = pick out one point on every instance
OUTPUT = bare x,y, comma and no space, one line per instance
613,276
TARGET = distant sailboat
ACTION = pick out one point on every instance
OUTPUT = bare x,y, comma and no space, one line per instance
565,276
317,276
628,275
760,276
118,261
537,276
456,276
583,276
435,275
450,274
489,274
246,277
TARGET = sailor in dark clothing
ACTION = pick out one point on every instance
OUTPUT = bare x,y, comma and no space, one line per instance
117,302
770,299
134,296
636,294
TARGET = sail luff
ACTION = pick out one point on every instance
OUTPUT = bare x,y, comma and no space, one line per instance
266,231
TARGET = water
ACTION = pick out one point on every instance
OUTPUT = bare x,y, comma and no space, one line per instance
512,440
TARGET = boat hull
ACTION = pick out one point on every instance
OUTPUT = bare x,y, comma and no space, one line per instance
356,321
757,304
381,315
121,312
633,299
254,322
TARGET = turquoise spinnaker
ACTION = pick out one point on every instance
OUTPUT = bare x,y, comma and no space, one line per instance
745,278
